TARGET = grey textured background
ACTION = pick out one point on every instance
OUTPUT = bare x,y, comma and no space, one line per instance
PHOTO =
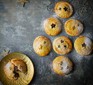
20,25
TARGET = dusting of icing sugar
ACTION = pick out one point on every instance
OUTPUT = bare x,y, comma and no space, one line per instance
4,31
8,69
19,31
55,16
89,34
77,57
64,66
45,22
56,19
21,15
8,65
41,26
80,27
88,42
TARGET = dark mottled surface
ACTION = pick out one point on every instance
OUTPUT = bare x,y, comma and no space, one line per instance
19,26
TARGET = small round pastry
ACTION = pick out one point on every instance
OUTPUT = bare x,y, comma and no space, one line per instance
83,45
62,65
42,45
63,9
52,26
62,45
73,27
16,69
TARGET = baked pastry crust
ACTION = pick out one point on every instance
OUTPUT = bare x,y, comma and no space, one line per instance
63,9
42,45
83,45
62,65
52,26
62,45
73,27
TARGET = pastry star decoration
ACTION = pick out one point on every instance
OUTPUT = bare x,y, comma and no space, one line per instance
22,2
5,52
